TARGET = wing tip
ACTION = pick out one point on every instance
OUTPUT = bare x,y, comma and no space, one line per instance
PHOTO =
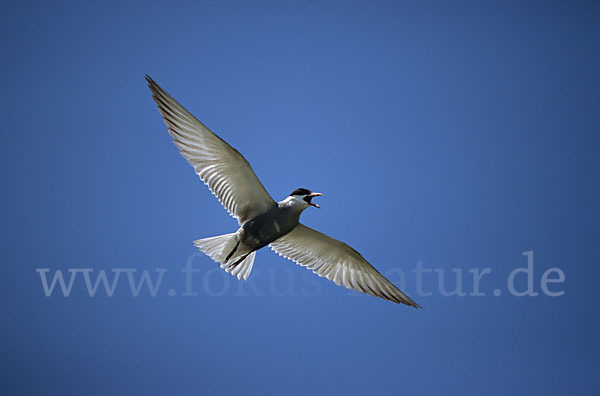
408,301
154,87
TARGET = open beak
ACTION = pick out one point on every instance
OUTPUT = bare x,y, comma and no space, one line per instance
312,195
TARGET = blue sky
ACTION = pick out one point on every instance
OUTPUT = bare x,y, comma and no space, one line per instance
458,135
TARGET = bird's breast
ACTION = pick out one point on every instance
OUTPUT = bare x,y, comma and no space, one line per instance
269,226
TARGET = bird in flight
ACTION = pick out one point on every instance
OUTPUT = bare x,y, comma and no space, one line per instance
262,220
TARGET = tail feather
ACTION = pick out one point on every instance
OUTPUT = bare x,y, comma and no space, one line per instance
219,247
241,270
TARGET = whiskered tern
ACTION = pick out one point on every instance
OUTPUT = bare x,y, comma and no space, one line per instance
262,220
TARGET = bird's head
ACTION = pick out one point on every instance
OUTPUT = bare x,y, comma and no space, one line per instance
304,196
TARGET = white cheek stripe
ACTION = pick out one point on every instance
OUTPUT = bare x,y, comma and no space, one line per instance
296,200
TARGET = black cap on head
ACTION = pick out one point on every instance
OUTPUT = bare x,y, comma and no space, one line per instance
300,191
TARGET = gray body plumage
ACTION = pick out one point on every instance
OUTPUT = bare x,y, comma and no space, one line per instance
267,227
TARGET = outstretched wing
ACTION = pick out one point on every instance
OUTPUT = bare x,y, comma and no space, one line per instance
338,262
221,167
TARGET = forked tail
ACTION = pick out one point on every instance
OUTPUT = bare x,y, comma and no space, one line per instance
224,249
